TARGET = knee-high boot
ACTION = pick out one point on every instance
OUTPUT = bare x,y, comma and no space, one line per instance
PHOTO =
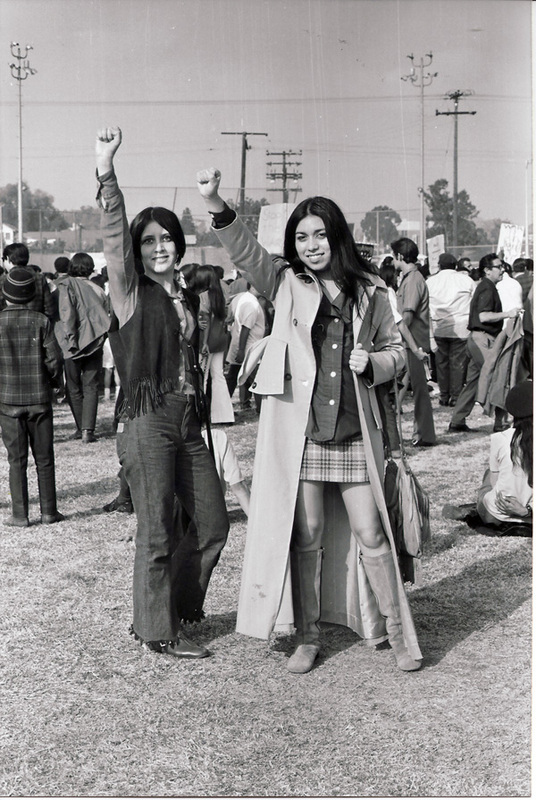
381,575
305,569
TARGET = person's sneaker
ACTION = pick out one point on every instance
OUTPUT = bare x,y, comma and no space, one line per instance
50,519
16,522
125,506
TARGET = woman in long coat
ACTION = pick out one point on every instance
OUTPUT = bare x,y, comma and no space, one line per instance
318,548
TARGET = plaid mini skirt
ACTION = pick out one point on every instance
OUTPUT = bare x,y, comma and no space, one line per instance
341,462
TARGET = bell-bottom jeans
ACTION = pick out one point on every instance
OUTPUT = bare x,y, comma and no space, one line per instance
166,458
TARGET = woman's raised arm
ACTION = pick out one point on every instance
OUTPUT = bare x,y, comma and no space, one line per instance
106,146
253,261
116,238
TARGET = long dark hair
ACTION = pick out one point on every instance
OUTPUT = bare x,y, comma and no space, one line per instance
204,279
349,269
167,219
388,272
521,446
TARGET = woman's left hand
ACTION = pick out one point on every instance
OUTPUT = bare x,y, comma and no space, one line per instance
508,504
359,359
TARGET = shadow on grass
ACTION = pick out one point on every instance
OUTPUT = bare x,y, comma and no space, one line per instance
482,594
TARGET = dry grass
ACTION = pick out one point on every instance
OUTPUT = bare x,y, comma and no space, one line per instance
85,712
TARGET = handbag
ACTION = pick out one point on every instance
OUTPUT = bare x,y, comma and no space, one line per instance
408,505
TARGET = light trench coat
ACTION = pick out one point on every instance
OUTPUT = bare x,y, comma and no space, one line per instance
285,379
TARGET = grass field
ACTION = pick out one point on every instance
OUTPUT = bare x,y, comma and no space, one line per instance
86,712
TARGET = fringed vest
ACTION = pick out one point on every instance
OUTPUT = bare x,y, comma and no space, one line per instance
147,352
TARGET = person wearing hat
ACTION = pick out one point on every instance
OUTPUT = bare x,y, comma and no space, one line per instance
30,364
450,294
506,492
44,300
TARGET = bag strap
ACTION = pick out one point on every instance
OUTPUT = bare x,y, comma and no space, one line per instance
399,415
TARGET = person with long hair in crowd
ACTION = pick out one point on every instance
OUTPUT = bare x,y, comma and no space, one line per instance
155,351
319,544
204,281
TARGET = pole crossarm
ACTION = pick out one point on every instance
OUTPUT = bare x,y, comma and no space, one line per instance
284,175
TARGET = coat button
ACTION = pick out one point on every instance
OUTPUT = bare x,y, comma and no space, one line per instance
294,321
288,376
254,385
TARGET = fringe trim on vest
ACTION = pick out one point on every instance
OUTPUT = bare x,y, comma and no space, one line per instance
146,394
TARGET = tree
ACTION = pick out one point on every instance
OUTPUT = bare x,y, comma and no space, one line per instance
187,222
441,204
252,210
38,208
379,225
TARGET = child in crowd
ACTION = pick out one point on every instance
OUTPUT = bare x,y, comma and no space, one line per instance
30,364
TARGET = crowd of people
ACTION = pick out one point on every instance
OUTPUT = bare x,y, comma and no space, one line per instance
317,337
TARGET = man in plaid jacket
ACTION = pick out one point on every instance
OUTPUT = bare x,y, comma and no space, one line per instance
30,363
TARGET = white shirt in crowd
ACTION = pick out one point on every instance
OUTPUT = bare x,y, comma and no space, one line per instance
450,298
247,311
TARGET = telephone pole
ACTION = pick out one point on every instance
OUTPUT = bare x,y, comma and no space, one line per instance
420,81
284,175
20,70
245,148
455,96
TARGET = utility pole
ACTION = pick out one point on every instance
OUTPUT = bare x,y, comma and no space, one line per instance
420,82
245,148
455,96
20,70
284,175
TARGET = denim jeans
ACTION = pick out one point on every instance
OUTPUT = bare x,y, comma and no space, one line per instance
22,425
166,458
82,388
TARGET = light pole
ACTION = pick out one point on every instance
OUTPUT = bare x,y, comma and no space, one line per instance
420,81
455,96
20,70
245,148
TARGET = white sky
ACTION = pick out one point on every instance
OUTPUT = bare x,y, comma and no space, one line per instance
323,76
